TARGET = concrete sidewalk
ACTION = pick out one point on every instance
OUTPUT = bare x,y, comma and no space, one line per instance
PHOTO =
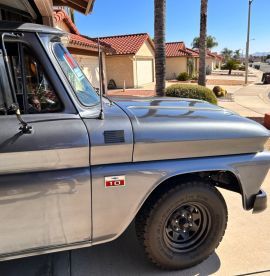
252,100
249,101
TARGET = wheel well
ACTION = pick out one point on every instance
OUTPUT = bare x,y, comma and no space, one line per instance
223,179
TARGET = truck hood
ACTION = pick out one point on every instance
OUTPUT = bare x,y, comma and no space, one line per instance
172,128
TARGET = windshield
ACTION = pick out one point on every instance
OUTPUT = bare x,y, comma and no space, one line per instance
82,87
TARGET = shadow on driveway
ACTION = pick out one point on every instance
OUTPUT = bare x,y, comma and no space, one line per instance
123,256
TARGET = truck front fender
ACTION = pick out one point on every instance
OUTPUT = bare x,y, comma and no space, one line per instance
114,208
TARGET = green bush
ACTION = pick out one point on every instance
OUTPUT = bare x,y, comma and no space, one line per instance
219,91
242,67
195,77
231,65
192,92
183,76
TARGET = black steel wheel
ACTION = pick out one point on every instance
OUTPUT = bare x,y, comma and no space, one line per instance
187,227
184,226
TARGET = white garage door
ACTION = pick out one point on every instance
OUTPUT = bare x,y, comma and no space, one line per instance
145,71
90,67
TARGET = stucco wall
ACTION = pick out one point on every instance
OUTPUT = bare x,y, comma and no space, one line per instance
210,62
146,51
120,69
175,66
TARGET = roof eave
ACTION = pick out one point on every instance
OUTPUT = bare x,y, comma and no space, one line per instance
79,5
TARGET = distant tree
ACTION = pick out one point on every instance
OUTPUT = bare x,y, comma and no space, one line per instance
268,57
237,54
211,42
202,44
227,54
160,57
231,64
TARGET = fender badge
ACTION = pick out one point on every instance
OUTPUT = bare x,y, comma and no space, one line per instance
115,181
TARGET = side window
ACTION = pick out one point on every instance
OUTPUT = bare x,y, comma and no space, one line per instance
34,92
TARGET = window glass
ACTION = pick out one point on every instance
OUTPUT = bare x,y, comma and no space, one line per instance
33,90
82,87
40,94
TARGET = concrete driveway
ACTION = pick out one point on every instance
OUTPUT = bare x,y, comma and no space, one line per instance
245,250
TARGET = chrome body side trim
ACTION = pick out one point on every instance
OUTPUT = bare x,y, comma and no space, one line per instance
43,160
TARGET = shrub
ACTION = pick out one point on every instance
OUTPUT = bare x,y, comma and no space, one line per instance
223,67
219,91
194,77
192,92
231,65
183,76
242,68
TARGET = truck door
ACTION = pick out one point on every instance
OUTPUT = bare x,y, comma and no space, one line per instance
45,195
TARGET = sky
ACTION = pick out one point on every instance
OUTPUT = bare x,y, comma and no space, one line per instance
227,21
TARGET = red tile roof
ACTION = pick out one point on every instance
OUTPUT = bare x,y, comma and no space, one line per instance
179,49
61,15
81,41
220,57
75,39
197,53
176,49
126,44
193,52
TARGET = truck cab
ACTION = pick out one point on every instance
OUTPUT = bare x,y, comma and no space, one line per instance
76,168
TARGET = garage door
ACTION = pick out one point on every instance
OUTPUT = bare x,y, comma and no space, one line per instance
90,66
145,72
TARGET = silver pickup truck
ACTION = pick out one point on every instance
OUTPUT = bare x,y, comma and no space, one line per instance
75,172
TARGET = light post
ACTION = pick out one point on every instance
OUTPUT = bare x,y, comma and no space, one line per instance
248,40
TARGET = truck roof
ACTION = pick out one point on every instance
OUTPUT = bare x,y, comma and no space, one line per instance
27,27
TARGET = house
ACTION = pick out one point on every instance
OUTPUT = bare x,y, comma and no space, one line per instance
130,63
57,13
218,60
180,59
84,50
213,60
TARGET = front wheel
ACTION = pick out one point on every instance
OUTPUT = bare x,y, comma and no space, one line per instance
184,226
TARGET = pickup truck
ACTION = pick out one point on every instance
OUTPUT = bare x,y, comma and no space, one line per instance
76,168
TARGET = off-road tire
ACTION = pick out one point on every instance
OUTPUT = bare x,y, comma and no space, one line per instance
155,221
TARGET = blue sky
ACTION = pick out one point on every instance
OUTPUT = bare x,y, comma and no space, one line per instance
227,21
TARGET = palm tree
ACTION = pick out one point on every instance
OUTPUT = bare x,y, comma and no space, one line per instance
203,33
227,54
237,54
160,57
211,42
